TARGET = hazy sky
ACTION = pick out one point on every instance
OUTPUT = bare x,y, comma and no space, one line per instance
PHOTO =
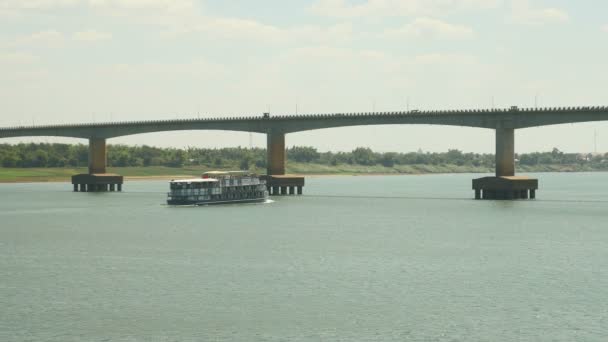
65,61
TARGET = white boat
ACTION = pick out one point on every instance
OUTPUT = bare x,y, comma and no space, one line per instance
217,187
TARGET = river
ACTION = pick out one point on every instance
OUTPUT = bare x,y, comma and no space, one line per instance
366,258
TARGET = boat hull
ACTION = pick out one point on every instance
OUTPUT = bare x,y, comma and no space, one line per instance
218,201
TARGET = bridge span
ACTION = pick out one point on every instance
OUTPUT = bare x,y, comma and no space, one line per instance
504,121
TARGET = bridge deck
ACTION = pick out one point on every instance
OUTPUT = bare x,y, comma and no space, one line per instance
482,118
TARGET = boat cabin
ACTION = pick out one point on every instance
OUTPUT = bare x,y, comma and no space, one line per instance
203,183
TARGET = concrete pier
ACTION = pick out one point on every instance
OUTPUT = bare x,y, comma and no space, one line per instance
505,152
275,149
276,181
284,184
99,182
98,155
505,188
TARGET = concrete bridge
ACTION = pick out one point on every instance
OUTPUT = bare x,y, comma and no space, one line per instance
503,121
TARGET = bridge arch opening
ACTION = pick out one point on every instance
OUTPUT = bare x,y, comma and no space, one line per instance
584,137
397,138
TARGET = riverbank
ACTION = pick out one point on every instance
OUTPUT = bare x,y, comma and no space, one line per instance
18,175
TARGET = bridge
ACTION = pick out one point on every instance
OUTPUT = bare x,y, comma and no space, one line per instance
504,121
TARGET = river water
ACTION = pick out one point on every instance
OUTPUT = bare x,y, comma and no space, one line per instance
396,258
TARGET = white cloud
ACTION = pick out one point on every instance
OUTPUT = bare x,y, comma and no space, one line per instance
46,38
319,34
341,65
169,5
176,70
177,17
149,11
231,28
18,67
53,39
342,8
35,4
605,28
17,58
251,30
14,9
163,13
430,28
445,59
164,5
91,36
523,12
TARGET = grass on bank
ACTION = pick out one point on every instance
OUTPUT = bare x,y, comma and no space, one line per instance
64,174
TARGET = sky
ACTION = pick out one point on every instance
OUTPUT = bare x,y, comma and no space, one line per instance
69,61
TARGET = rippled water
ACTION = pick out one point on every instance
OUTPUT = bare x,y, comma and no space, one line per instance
400,258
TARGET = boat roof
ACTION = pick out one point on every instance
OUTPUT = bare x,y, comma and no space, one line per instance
224,173
195,180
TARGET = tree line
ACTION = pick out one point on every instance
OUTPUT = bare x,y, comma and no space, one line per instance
67,155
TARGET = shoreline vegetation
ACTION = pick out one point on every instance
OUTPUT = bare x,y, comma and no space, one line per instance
58,162
31,175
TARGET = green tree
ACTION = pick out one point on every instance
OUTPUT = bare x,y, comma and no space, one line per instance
10,159
303,154
363,156
388,159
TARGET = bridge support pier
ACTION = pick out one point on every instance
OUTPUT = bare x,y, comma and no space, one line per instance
276,181
275,149
98,155
97,180
505,152
505,185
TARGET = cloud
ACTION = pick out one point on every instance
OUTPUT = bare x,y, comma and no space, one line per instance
193,68
333,34
179,17
388,8
430,28
52,39
445,59
17,67
163,5
91,36
605,28
523,12
162,13
250,30
14,9
46,38
152,10
17,58
343,65
36,4
170,5
231,28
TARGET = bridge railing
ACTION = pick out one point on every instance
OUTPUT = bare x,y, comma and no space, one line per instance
555,110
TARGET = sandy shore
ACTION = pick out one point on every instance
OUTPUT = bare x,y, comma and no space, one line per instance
64,179
172,177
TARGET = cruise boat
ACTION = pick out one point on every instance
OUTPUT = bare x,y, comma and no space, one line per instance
217,187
